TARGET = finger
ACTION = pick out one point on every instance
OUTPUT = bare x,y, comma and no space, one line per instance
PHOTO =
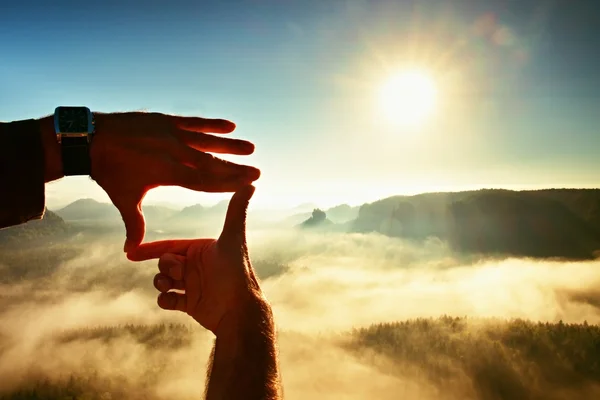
215,185
177,271
172,301
190,178
197,124
164,283
135,225
215,144
209,163
171,265
148,251
234,229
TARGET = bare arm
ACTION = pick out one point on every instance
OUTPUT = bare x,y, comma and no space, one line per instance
131,153
243,362
223,294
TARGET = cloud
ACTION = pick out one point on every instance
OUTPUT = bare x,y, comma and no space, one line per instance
328,284
342,281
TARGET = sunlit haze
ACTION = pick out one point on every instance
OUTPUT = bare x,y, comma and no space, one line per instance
346,101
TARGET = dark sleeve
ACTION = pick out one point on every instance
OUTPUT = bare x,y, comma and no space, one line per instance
21,172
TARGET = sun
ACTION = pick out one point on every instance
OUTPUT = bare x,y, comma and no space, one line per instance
408,98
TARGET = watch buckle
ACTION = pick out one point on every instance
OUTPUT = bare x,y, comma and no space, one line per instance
59,136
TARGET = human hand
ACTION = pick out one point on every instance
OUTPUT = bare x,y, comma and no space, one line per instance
216,276
134,152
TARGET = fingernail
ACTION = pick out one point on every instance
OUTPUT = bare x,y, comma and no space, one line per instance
248,190
253,173
249,147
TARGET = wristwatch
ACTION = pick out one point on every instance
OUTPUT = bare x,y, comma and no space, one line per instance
74,127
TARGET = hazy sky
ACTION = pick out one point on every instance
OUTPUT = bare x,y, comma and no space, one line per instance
518,87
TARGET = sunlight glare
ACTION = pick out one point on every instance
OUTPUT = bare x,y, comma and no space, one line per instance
408,98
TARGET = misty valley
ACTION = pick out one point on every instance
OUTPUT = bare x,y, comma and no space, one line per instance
489,294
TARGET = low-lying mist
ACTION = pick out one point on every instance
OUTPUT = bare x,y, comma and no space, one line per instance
80,315
340,281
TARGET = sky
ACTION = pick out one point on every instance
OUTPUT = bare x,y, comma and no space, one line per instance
518,103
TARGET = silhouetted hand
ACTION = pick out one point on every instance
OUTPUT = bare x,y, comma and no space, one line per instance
134,152
216,276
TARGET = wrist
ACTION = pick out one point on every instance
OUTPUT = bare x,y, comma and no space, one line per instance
245,352
98,149
253,315
53,168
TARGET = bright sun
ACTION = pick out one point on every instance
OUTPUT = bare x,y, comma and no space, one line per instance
408,98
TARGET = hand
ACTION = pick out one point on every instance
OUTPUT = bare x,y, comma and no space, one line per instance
216,276
134,152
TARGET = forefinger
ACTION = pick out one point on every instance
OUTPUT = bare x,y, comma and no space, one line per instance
148,251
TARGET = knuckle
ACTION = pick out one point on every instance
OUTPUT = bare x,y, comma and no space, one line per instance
205,160
155,115
209,158
163,262
157,122
168,259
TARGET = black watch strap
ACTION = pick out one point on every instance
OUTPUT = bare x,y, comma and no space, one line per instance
76,156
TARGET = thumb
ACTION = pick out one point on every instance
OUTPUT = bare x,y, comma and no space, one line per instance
234,229
135,225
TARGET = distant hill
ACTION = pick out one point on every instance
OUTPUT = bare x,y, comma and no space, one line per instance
50,227
303,208
221,207
192,212
318,219
91,210
200,214
544,223
158,214
342,213
198,220
339,214
95,213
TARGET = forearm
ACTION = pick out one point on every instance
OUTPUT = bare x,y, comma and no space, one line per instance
244,360
21,172
52,152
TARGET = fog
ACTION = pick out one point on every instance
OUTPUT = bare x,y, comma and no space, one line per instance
321,285
340,281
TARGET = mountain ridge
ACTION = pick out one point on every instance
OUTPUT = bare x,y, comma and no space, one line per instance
51,226
547,223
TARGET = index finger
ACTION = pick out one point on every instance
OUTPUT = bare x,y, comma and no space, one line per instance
148,251
198,124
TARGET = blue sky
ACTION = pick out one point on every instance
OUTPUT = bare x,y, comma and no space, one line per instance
518,84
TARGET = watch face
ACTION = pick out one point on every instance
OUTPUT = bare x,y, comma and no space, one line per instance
72,119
